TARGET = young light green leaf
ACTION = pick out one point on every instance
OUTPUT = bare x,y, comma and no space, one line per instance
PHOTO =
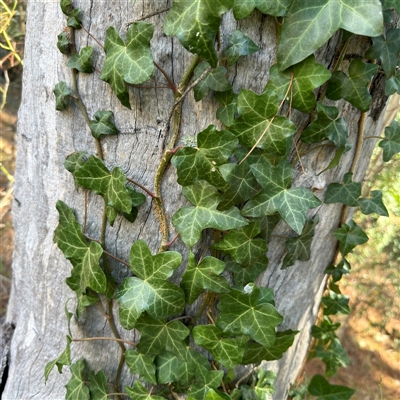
238,45
129,62
142,365
242,247
353,88
213,149
228,106
190,221
321,388
349,235
98,386
205,381
291,204
346,193
242,276
62,93
213,395
334,357
139,392
277,8
149,291
195,23
241,313
373,204
336,303
204,276
63,359
215,80
391,143
305,77
258,124
306,29
103,124
63,43
76,386
74,20
82,61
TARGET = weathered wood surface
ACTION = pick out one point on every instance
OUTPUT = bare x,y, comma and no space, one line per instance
46,137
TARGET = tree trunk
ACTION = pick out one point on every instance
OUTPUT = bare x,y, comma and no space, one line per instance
46,137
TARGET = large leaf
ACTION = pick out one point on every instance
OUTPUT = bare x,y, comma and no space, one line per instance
190,221
238,45
76,386
349,235
258,123
213,149
142,365
321,388
205,381
346,193
195,23
243,312
129,62
291,204
307,27
277,8
333,356
391,143
305,77
374,204
149,291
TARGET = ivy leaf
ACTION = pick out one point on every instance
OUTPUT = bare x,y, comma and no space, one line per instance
195,23
353,88
228,106
76,387
241,313
291,204
306,29
213,395
335,160
98,386
139,392
320,387
241,245
373,204
387,50
392,84
243,276
346,193
83,61
204,276
190,221
326,330
336,303
157,335
74,20
129,62
213,149
66,7
62,93
149,291
391,143
238,45
103,124
299,248
334,357
305,76
388,4
205,381
243,8
215,80
142,365
268,224
63,359
327,126
349,235
343,268
255,353
63,43
258,124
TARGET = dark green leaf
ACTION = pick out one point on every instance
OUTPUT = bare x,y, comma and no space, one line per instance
139,392
391,143
129,62
82,61
190,221
62,93
74,20
98,386
238,45
336,303
349,235
228,106
326,330
63,43
76,387
103,124
335,160
320,387
353,88
74,161
374,204
213,395
63,359
142,365
277,8
195,23
268,224
205,381
334,357
66,7
392,84
307,28
243,276
342,268
388,4
346,193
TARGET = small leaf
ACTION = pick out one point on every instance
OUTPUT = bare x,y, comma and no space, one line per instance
139,392
62,92
98,386
82,61
349,235
346,193
336,303
343,268
238,45
66,7
142,365
74,20
277,8
63,359
333,356
321,388
228,106
103,124
336,159
391,143
76,387
392,84
63,43
326,330
205,381
373,204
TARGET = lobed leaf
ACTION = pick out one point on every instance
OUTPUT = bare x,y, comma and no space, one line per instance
139,392
76,386
374,204
277,8
349,235
103,124
98,386
63,359
391,143
238,45
346,193
62,93
323,390
82,61
244,275
334,356
204,382
336,303
142,365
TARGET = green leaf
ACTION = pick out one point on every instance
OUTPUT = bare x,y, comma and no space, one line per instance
139,392
343,268
238,45
103,124
149,291
334,357
213,395
241,245
387,50
320,387
129,62
74,20
228,106
392,84
268,224
307,28
227,351
391,143
291,204
241,313
346,193
63,359
195,23
374,204
305,77
76,387
204,276
190,221
258,124
63,43
243,276
277,8
299,248
213,149
82,61
62,93
66,7
255,353
353,88
215,80
98,386
336,159
205,381
336,303
142,365
388,4
326,331
137,200
349,235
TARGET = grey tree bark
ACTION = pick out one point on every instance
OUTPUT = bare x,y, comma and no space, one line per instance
46,137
